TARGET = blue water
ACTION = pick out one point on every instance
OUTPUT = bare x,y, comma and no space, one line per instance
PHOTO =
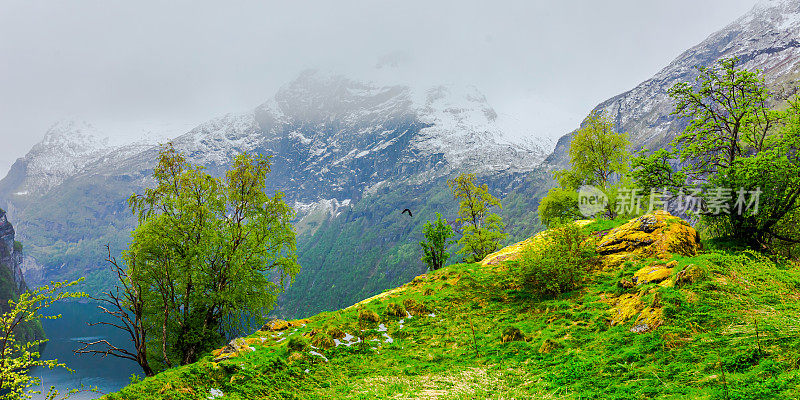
107,374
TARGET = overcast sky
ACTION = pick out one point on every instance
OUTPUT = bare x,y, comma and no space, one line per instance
131,65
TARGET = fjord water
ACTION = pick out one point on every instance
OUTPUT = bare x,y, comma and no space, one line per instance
107,374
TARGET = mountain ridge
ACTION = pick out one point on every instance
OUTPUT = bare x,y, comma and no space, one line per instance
765,38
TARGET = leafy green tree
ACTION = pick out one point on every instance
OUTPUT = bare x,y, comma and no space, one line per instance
482,230
735,141
728,115
437,238
557,206
656,171
597,154
599,157
18,357
209,257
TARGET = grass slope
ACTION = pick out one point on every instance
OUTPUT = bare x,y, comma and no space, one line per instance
731,335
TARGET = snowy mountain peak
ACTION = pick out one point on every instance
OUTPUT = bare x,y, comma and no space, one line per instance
77,135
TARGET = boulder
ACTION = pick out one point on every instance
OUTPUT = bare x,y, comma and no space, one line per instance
649,319
624,308
655,234
652,274
275,325
234,348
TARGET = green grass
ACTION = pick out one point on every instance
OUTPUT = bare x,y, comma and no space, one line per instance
733,335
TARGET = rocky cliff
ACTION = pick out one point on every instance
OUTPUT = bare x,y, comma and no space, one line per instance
12,282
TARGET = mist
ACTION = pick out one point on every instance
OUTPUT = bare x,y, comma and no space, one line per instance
161,67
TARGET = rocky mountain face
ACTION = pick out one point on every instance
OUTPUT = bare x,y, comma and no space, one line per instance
339,149
767,38
12,281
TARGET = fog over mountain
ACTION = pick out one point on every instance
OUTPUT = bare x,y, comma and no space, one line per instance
161,69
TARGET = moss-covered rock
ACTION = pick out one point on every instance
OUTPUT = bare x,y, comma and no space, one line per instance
689,274
649,319
549,346
624,308
512,334
651,235
275,325
233,349
652,274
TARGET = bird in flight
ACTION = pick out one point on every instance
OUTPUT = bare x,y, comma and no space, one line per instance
407,211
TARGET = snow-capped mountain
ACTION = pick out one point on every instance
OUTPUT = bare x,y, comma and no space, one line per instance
332,137
332,140
68,148
767,39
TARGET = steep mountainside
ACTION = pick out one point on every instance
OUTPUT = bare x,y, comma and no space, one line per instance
767,38
12,282
339,148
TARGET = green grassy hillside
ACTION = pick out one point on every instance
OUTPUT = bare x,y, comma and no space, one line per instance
658,318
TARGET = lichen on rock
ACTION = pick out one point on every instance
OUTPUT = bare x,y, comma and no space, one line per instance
651,235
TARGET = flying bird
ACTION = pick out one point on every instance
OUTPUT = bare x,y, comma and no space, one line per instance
407,211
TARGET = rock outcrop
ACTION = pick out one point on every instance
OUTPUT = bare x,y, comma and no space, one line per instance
12,282
656,234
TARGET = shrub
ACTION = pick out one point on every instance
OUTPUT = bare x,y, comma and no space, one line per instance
323,342
335,332
437,238
297,343
559,264
395,310
365,315
415,308
559,205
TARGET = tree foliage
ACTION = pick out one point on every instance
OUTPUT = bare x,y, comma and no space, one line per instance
735,141
209,257
437,237
597,154
558,205
18,357
482,229
598,157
